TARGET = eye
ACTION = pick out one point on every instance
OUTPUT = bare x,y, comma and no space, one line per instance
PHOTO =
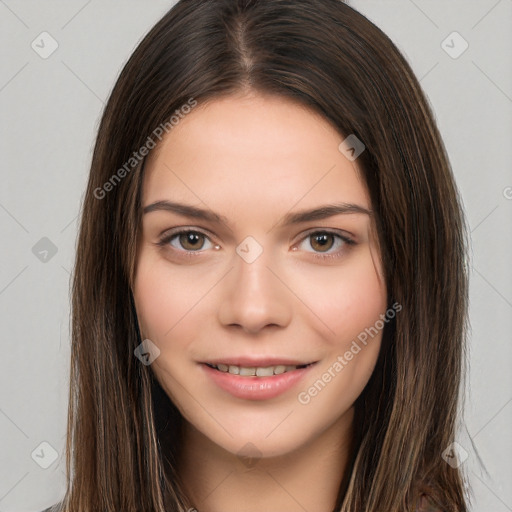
186,240
191,242
325,244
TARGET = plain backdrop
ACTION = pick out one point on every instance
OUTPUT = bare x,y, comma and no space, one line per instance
50,109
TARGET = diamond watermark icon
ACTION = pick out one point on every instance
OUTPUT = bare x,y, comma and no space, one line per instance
249,455
249,249
147,352
454,455
44,455
454,45
351,147
44,250
44,45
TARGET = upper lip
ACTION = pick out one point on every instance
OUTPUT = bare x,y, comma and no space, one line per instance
254,362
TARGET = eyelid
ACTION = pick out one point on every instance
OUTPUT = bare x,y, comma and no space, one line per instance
344,235
180,229
166,236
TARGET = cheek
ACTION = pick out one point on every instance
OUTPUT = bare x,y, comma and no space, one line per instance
346,299
352,302
168,303
168,298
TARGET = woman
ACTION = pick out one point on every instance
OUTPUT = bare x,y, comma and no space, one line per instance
270,292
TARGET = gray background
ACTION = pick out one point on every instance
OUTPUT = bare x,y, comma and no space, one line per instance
50,109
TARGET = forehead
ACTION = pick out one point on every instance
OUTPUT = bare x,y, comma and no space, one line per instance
253,150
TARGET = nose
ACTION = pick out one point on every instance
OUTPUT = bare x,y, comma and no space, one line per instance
254,296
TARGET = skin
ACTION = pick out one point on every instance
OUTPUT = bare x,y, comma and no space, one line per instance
254,159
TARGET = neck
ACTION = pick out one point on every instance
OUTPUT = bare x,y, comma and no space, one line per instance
308,478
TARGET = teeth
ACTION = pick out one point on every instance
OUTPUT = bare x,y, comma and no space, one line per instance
247,371
235,370
266,371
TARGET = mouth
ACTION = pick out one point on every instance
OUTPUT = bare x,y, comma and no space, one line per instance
262,379
257,371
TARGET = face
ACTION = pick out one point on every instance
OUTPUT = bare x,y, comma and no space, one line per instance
267,315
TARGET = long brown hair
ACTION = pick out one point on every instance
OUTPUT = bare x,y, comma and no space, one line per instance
123,431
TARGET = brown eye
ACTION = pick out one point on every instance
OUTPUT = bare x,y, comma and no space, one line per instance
186,241
322,241
326,244
191,240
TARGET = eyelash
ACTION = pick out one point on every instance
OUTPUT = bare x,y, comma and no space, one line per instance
167,237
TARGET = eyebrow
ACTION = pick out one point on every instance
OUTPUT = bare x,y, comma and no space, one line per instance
321,212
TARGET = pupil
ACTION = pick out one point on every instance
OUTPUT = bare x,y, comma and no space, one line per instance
323,241
190,240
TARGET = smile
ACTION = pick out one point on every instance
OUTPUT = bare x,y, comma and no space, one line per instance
256,371
256,382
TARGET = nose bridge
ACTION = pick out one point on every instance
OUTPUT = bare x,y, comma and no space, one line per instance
255,297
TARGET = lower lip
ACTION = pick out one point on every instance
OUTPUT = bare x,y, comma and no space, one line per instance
256,388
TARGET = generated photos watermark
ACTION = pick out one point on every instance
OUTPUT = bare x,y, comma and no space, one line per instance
146,352
138,156
305,397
